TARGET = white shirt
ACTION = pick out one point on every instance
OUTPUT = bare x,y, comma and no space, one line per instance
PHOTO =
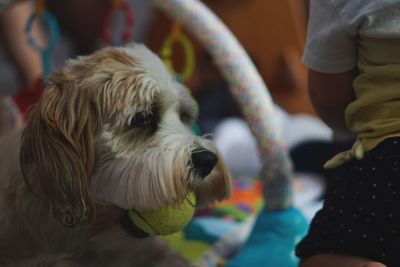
331,45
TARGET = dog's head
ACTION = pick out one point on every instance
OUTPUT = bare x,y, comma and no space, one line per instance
115,127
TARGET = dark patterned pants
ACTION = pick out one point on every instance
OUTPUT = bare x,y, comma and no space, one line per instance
361,212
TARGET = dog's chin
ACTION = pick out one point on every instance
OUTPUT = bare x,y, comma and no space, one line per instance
214,188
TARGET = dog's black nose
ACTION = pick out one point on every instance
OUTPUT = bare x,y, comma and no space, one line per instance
204,161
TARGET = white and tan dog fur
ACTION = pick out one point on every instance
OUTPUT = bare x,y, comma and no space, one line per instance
111,133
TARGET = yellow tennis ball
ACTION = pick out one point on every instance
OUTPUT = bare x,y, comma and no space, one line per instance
165,220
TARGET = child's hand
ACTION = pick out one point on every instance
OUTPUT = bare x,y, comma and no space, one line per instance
336,260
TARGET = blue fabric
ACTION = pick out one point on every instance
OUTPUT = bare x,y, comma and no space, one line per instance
272,240
209,229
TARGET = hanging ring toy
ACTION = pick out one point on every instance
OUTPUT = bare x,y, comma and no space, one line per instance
127,32
49,20
178,37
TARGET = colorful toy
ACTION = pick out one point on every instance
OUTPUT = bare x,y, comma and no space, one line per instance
127,32
165,220
177,37
246,200
50,21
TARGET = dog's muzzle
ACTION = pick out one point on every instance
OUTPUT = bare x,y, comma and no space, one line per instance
203,161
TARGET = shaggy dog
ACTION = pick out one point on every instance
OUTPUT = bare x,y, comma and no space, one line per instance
111,133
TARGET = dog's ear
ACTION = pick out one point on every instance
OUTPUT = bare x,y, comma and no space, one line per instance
57,152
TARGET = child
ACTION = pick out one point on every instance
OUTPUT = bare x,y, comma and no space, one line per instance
353,56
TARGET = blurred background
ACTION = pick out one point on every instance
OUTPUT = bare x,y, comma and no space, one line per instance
273,34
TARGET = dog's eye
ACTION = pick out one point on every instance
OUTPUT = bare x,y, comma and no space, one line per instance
141,120
185,118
